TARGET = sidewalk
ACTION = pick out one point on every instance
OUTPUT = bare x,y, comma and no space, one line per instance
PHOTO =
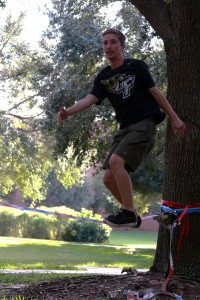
87,270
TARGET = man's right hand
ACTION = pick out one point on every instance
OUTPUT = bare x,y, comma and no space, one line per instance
62,115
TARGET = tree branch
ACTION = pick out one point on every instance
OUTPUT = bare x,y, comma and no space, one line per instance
23,101
19,117
157,14
14,30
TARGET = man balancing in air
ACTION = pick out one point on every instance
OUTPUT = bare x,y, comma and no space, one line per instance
136,100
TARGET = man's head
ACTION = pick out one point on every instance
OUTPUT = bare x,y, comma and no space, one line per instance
113,44
121,37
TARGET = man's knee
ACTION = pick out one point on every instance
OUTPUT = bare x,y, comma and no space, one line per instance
116,162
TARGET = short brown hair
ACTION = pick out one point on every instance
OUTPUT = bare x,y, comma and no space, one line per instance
117,32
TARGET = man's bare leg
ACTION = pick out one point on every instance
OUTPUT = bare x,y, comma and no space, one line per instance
123,181
111,184
118,181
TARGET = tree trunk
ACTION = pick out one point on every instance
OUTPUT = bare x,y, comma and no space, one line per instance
182,154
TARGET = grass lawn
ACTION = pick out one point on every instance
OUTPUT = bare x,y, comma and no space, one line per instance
125,249
134,238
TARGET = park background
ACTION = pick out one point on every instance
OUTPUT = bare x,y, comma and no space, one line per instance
42,162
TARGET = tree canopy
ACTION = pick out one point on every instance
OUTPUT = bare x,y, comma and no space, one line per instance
36,83
26,158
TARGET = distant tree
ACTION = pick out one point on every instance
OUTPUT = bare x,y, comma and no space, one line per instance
25,156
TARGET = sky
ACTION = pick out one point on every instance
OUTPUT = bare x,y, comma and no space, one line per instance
35,21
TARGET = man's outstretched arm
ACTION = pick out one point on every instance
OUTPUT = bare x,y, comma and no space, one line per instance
79,106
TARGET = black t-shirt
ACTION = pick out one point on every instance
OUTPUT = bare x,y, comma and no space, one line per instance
126,87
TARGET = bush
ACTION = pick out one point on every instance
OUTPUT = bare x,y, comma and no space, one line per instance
37,228
29,224
83,231
22,222
7,224
33,226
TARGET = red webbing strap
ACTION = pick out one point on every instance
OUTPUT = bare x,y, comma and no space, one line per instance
184,231
179,205
185,227
169,277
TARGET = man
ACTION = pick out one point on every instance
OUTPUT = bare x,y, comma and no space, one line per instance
136,100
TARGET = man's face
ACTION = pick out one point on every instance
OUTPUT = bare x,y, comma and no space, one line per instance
112,47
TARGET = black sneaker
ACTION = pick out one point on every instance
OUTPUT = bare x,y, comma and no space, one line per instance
113,215
122,218
139,222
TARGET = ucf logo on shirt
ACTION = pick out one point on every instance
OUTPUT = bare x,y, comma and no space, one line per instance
120,84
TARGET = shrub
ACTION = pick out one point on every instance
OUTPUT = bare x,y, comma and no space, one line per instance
29,224
22,221
7,224
37,228
83,231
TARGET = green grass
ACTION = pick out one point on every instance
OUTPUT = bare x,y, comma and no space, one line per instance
133,238
125,249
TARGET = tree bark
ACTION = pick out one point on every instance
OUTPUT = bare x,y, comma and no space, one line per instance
157,14
181,36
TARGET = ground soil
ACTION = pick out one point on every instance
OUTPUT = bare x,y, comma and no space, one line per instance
105,287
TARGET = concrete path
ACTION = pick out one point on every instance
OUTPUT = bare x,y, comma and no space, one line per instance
87,270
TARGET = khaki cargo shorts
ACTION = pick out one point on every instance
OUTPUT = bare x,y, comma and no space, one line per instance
133,143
